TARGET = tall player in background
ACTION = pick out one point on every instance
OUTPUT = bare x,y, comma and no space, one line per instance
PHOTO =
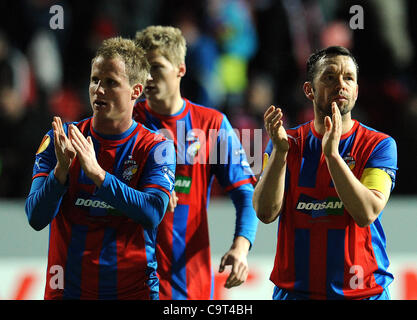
103,184
183,249
328,181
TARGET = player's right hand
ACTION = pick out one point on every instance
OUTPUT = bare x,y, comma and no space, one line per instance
331,137
275,129
64,150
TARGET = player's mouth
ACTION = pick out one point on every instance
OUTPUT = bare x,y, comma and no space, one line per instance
149,88
98,103
340,98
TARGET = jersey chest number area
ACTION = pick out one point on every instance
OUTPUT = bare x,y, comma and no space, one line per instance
313,198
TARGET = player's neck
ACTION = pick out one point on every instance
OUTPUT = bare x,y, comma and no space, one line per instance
111,127
166,107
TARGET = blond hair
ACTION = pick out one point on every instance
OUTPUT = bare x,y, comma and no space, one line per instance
168,41
136,65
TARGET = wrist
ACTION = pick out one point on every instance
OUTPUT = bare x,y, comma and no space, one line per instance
60,174
332,156
279,155
98,177
241,243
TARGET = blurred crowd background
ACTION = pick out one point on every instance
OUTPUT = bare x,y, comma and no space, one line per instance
243,55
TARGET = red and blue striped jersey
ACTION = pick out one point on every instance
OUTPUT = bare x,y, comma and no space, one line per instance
206,146
103,253
321,252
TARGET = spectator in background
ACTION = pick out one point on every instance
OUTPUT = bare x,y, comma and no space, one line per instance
237,39
249,116
203,83
19,121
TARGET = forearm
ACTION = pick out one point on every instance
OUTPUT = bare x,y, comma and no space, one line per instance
269,192
246,220
362,204
43,201
146,207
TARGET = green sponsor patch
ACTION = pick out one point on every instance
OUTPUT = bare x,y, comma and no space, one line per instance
182,184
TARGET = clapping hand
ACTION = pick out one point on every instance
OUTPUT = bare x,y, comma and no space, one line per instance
64,150
333,132
275,129
86,155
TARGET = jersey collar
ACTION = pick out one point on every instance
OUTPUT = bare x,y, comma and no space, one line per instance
344,136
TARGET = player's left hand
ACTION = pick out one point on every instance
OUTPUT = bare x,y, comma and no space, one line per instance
331,137
64,151
87,156
237,258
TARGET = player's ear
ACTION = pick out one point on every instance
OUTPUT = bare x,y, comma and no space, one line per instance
357,92
137,91
182,69
308,90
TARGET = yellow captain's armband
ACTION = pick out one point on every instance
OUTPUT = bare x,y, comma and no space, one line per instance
265,161
377,179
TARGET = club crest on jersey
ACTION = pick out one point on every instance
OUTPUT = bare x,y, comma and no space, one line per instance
130,169
350,161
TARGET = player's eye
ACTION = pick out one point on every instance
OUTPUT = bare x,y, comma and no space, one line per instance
329,77
111,82
155,66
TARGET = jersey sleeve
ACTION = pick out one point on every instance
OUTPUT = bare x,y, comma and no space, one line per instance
235,176
384,157
46,192
232,168
45,159
159,170
246,219
146,207
147,202
43,201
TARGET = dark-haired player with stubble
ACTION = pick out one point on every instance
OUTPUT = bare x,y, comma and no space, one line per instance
328,181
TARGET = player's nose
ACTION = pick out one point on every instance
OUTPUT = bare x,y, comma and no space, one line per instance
340,83
99,88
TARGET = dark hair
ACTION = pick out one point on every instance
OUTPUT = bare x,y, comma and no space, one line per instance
330,51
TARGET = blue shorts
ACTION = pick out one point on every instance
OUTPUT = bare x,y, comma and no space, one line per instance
282,294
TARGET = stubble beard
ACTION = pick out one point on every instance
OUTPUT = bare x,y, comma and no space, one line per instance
344,109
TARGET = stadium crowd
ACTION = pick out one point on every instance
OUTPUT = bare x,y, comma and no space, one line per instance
243,55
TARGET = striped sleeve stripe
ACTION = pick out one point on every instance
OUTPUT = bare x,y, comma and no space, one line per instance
251,180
